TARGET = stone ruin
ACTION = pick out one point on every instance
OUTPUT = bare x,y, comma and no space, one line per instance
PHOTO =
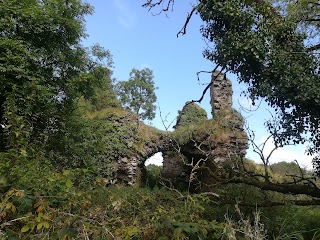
220,93
219,150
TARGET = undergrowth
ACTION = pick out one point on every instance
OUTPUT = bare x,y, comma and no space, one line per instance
142,213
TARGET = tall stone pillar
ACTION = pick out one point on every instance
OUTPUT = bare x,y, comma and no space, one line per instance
220,93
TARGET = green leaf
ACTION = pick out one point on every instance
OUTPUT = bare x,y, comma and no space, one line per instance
217,235
69,183
177,233
25,228
39,226
162,238
66,172
46,224
23,152
3,180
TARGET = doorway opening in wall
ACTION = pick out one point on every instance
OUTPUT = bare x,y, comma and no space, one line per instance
153,168
155,159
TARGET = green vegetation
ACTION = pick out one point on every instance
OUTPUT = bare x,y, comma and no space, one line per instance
153,173
63,133
191,114
141,213
138,93
192,123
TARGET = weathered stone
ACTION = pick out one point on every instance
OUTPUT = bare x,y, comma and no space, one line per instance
124,160
213,146
220,92
174,167
198,149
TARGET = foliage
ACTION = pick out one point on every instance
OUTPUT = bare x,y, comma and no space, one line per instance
102,94
138,93
292,222
58,108
190,114
131,213
93,139
217,129
153,175
63,130
40,62
285,168
124,213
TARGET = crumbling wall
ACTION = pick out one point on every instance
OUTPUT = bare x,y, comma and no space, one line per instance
220,93
130,168
209,147
199,148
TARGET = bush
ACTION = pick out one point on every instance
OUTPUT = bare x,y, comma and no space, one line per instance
190,114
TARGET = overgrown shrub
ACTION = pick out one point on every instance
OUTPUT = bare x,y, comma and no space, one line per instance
190,114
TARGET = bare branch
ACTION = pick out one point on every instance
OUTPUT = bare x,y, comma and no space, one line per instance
183,30
164,120
208,86
247,110
311,19
198,74
294,189
165,7
301,172
170,187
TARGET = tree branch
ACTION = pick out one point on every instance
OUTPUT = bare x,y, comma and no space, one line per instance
294,189
183,30
314,47
315,201
165,7
208,86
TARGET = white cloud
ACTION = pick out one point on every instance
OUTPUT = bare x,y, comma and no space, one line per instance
156,159
126,17
287,153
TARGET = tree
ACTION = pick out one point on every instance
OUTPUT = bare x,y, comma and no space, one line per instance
41,60
58,108
273,48
44,71
138,93
90,136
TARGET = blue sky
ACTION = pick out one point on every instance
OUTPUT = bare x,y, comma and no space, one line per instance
137,39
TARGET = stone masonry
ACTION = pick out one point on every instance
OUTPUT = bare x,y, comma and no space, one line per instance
220,92
220,146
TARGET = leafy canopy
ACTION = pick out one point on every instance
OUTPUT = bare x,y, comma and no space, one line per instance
50,86
40,62
138,93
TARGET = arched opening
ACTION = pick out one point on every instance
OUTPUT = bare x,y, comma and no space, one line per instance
152,170
155,159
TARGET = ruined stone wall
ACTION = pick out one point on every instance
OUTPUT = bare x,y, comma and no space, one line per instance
129,169
217,144
214,143
220,92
